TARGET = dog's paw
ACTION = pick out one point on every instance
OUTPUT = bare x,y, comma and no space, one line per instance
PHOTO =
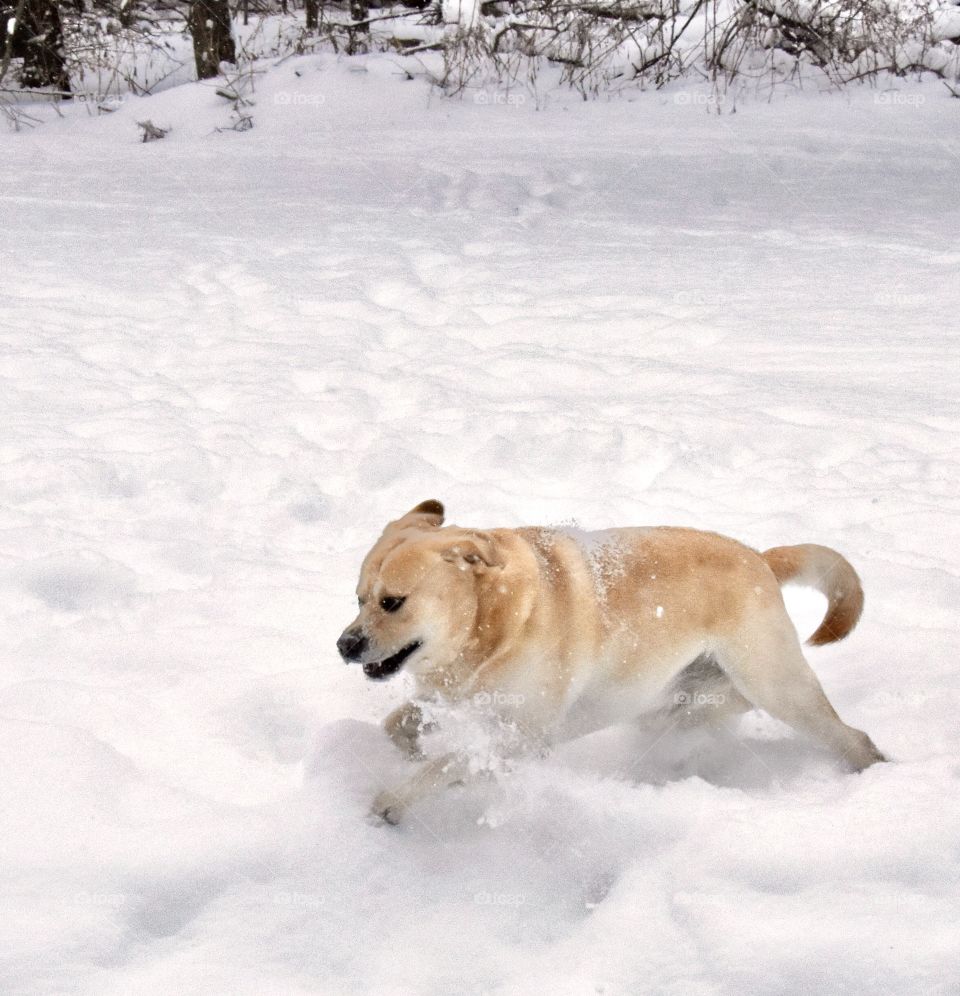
387,807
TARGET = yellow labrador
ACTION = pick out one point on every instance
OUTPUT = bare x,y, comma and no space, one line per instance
563,632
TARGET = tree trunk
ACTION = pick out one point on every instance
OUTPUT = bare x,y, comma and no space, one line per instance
38,40
358,37
312,10
210,26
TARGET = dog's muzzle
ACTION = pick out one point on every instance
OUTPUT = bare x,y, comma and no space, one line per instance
354,646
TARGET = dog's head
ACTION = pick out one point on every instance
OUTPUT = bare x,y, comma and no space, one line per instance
419,593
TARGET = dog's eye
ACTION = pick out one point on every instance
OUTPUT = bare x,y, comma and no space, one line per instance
390,603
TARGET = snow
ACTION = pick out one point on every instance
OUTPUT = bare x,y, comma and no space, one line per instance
229,359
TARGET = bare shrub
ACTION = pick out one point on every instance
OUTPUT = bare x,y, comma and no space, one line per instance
608,42
115,47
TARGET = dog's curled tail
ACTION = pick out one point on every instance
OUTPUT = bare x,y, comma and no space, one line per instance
824,569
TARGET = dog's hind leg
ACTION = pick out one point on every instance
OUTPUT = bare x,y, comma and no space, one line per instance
767,667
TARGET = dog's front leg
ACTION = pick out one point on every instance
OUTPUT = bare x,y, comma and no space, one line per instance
391,804
404,726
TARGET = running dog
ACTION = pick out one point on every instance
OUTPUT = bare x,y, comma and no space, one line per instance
567,632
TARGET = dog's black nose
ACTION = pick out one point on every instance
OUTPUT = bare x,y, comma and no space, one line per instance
351,645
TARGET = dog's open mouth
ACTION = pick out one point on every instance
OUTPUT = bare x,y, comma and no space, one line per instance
383,669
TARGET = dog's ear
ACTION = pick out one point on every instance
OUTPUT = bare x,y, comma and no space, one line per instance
428,514
431,509
474,550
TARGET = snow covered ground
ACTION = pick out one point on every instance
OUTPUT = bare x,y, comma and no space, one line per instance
228,359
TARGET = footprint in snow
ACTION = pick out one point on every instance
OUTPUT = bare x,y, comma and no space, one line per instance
73,584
